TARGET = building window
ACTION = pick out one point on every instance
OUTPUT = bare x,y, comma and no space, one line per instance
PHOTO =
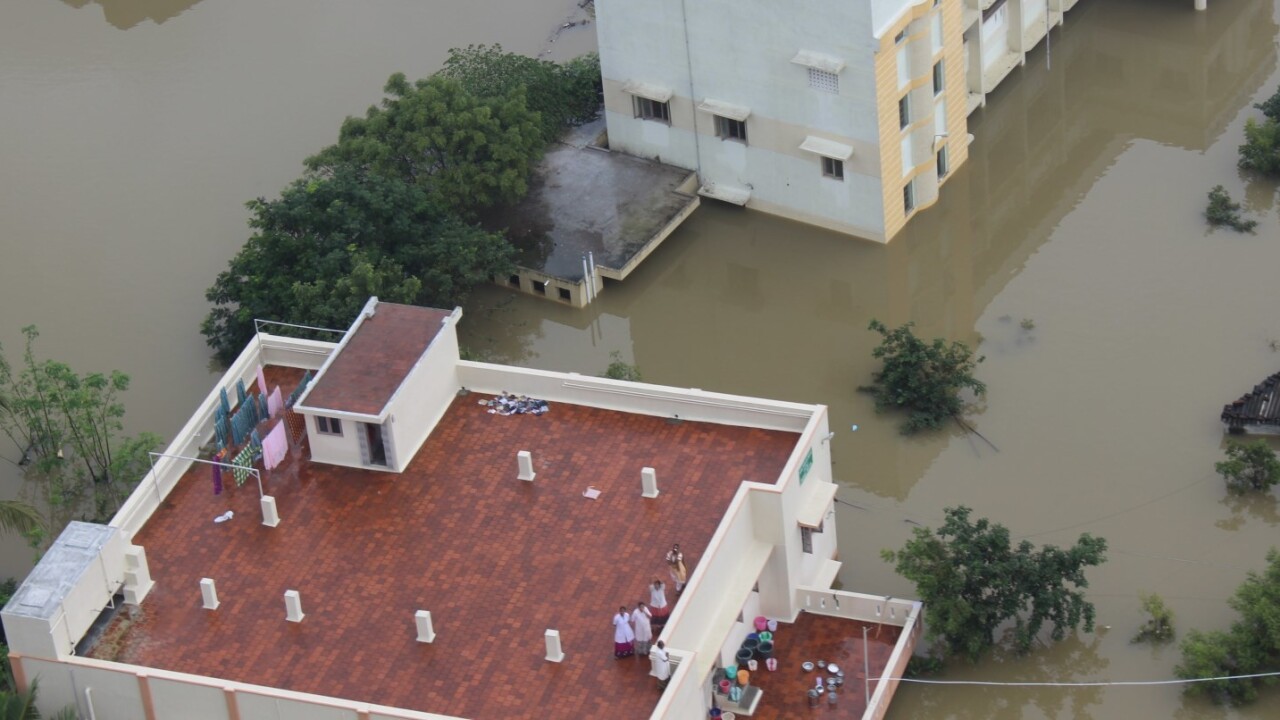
937,77
897,39
328,425
514,281
943,166
730,129
909,197
823,80
833,168
904,112
647,109
806,540
564,294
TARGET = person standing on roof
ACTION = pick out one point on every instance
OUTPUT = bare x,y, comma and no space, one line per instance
658,603
623,637
661,665
675,560
640,618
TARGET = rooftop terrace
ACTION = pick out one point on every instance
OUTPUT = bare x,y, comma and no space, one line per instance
497,561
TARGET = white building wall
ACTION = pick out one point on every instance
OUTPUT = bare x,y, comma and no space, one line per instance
740,53
341,449
426,394
191,702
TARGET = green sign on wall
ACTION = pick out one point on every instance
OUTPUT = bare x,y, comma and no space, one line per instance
806,466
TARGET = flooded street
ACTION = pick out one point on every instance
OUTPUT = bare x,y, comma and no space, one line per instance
135,131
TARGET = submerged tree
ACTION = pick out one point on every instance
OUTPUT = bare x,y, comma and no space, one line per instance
563,94
1251,645
973,580
328,243
924,379
1222,210
1159,624
619,369
67,429
1261,149
1249,466
466,153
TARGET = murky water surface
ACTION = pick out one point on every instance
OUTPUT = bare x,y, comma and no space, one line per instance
135,130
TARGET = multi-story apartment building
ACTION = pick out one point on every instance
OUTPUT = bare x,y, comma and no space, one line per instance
847,115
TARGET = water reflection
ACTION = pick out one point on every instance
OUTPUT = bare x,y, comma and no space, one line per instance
1073,659
125,14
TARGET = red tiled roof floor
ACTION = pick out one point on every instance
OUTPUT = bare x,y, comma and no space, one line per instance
496,560
371,366
821,637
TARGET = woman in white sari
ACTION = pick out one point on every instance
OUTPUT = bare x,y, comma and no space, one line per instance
640,618
623,637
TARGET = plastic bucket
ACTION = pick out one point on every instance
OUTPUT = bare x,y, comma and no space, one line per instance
766,649
761,623
744,655
772,625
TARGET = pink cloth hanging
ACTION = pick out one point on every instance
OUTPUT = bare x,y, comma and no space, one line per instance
262,381
275,401
275,446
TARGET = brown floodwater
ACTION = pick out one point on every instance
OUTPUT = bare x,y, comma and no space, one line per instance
1080,212
134,131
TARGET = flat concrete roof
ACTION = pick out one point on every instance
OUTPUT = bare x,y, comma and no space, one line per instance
369,369
496,560
585,199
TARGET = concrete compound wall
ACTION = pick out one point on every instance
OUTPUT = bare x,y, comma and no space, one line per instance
107,690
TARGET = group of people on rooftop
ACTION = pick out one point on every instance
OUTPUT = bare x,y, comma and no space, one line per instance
633,631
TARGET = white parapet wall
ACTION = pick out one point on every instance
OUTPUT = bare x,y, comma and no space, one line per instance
265,349
639,398
102,689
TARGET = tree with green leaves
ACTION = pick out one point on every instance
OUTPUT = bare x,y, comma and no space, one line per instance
328,243
973,580
1159,624
1222,210
466,153
67,430
1261,149
923,379
620,369
1249,466
563,94
1251,645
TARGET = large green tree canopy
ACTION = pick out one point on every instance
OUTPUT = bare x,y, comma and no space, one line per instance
563,94
972,580
464,152
329,242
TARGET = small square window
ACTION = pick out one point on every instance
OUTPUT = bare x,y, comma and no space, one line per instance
328,425
564,294
904,112
823,80
806,540
937,77
909,197
943,165
539,287
647,109
730,129
833,168
514,281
